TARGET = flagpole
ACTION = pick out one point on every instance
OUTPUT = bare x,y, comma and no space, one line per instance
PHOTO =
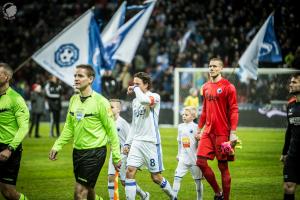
22,64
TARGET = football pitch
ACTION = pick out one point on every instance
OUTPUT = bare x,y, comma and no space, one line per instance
256,173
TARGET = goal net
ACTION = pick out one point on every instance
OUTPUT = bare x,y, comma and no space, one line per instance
262,102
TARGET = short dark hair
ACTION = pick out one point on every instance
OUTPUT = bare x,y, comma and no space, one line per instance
145,78
217,59
8,70
296,75
89,68
115,100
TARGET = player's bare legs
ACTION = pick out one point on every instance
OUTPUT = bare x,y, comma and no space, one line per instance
289,190
9,191
83,192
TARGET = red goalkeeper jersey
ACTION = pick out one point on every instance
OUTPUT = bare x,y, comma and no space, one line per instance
220,109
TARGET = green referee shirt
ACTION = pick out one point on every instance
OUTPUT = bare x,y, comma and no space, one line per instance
14,118
91,124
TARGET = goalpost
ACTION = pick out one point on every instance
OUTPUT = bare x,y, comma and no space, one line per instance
270,88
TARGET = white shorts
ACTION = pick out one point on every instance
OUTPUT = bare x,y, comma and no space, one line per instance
182,169
146,153
111,168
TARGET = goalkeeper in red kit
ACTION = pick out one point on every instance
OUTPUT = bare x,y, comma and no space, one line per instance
217,125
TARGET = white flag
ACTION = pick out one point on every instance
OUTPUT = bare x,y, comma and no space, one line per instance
114,24
78,43
130,34
183,41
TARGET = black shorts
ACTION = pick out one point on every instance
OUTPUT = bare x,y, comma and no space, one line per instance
9,169
291,172
87,165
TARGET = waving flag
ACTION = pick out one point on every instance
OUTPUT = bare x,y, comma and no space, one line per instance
109,33
114,24
183,41
122,46
263,48
78,43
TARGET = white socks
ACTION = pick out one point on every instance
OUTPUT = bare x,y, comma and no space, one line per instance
140,192
111,188
130,189
166,187
199,189
176,185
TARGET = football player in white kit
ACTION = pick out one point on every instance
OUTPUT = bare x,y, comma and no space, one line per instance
143,141
187,151
123,129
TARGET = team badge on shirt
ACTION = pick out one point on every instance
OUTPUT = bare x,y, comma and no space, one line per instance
219,90
79,113
186,142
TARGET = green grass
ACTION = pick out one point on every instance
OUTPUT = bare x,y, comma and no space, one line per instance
256,173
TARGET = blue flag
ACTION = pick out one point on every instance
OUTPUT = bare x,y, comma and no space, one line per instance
130,34
112,46
263,48
96,53
270,50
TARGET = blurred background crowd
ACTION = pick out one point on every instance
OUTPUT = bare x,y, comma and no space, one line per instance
221,28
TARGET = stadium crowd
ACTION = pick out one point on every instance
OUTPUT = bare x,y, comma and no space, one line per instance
218,28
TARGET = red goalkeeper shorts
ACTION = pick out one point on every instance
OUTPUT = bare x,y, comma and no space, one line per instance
210,147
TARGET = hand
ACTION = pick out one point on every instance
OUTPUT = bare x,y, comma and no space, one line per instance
53,154
283,158
130,89
118,165
199,134
5,154
126,149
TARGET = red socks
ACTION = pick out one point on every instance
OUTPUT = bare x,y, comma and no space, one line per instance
226,179
211,179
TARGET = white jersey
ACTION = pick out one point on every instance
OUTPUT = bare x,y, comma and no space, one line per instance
123,129
145,114
187,143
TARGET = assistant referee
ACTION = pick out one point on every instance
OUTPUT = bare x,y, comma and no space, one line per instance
14,123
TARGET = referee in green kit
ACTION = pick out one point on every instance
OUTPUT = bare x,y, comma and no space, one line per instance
14,122
91,124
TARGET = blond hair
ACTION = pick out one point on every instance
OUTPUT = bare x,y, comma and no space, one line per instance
192,110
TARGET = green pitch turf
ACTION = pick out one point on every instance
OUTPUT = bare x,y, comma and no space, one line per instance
256,173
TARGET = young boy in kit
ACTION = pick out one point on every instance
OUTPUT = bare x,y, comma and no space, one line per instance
187,151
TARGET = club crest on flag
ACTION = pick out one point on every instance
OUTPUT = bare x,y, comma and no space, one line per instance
66,55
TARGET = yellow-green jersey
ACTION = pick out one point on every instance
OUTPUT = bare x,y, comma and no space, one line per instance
14,118
91,124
